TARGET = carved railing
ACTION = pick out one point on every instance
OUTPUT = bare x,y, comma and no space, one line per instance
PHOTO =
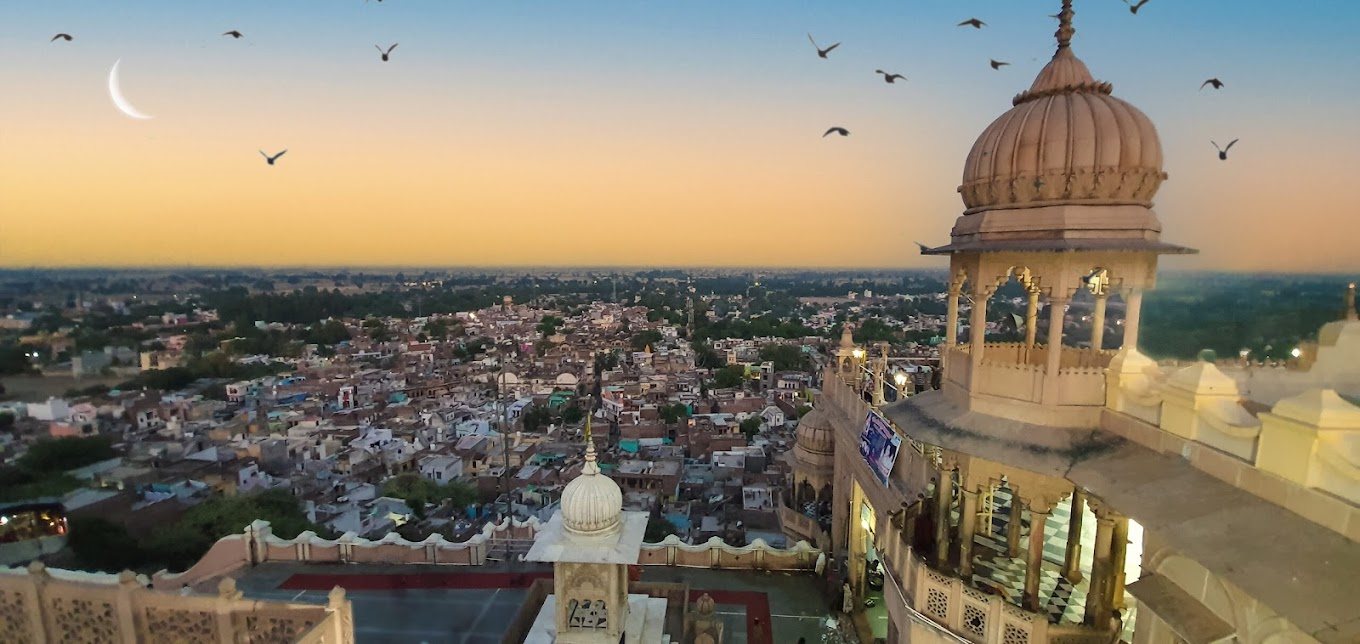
804,526
715,553
258,545
1299,448
40,605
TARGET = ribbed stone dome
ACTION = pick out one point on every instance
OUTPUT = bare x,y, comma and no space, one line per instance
1065,141
592,502
815,433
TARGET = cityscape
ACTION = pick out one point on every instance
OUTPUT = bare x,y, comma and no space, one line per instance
1067,415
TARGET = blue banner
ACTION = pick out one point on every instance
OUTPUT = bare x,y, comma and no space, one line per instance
878,445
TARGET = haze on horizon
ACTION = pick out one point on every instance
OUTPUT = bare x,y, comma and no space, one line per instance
618,133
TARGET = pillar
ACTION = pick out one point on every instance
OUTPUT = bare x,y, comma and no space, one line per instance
1032,317
977,324
1013,526
1098,322
1034,559
1072,559
967,527
1098,593
1133,303
944,498
1056,312
1119,553
951,329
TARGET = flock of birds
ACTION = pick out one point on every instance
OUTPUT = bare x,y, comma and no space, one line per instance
998,64
821,53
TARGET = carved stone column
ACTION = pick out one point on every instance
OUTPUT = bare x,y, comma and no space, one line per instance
951,329
967,526
1098,322
1013,526
1057,310
1032,317
1119,552
977,323
1072,559
1034,559
1133,304
1098,594
944,498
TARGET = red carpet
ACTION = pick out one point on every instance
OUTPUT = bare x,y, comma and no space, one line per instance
757,604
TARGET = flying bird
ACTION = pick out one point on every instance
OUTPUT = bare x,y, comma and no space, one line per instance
66,37
385,53
891,78
1223,152
996,64
822,52
1218,84
978,24
1133,8
233,33
272,159
838,130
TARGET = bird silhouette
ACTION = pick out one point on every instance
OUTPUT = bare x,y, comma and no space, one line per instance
1223,152
1133,8
233,33
66,37
272,159
978,24
891,78
385,53
822,52
1218,84
996,64
838,130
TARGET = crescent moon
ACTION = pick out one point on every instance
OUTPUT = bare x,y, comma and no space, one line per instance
117,95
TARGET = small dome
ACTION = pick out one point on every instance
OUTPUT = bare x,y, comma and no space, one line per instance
1065,141
815,433
592,502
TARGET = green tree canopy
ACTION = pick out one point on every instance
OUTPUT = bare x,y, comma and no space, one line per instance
730,376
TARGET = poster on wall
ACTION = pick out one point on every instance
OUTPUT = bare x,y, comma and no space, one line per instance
878,445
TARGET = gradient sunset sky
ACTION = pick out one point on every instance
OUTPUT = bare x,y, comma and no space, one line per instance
637,133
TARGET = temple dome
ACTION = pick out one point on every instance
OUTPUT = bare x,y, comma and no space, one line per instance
1066,141
815,434
592,502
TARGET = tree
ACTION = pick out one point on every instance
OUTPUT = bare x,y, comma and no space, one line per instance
751,426
63,454
100,544
536,418
671,414
645,338
729,377
573,414
658,528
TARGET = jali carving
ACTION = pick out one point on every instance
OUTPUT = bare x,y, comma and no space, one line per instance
84,621
14,625
180,626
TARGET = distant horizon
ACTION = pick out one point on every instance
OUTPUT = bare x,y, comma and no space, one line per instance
397,268
635,134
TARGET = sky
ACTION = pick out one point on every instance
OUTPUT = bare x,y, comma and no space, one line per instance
636,132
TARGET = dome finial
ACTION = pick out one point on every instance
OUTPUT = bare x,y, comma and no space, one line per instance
1065,30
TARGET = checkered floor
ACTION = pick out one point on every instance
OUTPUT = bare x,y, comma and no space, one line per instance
1062,600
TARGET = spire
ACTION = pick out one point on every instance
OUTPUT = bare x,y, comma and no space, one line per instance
591,467
1350,302
1065,30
